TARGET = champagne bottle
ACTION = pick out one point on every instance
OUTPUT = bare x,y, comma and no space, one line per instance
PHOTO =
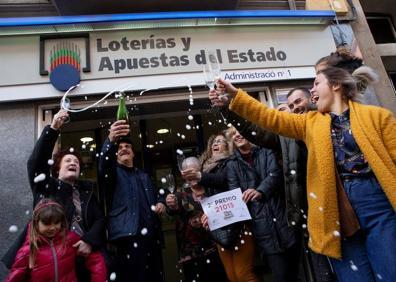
122,112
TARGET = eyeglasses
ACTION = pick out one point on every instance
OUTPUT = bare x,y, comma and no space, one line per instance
219,141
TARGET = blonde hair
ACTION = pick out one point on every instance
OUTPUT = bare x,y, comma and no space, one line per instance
47,211
207,154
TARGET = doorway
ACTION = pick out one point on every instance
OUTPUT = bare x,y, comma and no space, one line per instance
159,127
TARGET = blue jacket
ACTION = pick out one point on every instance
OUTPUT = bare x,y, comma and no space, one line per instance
129,209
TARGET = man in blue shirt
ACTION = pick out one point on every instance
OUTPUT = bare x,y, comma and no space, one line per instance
134,208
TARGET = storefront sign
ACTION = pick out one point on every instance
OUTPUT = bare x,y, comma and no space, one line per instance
180,51
225,208
159,58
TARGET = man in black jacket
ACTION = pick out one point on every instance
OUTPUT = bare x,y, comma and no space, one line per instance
294,160
134,207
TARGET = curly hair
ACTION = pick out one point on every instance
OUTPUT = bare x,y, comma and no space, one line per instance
207,154
58,156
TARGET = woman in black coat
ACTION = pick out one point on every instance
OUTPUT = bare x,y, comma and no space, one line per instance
56,177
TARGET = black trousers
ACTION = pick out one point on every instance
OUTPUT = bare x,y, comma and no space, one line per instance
284,266
322,268
204,269
140,259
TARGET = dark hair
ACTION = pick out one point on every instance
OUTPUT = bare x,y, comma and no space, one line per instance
58,156
303,89
342,58
125,139
47,211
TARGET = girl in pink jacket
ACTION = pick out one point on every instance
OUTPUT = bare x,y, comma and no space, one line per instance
48,253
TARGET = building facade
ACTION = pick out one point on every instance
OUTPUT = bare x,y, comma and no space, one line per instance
157,61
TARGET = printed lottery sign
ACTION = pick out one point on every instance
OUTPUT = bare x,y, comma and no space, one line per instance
225,208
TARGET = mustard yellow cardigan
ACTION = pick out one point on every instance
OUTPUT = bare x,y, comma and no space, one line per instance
374,130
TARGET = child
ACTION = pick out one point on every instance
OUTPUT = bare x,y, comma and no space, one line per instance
48,253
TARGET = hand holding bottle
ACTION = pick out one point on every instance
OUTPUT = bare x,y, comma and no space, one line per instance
118,129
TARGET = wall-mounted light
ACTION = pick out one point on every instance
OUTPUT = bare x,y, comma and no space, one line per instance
162,131
86,139
150,146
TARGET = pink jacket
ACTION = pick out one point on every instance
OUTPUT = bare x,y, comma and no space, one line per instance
55,262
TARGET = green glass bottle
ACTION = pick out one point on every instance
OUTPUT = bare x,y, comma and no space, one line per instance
122,112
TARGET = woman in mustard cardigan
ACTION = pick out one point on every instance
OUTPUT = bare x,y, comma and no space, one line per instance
348,143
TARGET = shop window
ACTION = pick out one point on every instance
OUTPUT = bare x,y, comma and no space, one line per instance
382,29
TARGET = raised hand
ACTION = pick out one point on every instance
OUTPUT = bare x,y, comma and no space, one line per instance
118,129
216,100
59,119
225,87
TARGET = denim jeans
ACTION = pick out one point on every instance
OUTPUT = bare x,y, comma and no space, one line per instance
369,255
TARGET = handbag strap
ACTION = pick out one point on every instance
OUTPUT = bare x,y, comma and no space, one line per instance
348,219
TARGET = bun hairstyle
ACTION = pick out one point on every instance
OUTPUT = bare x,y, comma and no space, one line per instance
342,58
48,212
350,83
364,77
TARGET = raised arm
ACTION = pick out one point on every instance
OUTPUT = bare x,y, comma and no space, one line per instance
38,160
107,170
108,159
283,123
42,152
253,133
